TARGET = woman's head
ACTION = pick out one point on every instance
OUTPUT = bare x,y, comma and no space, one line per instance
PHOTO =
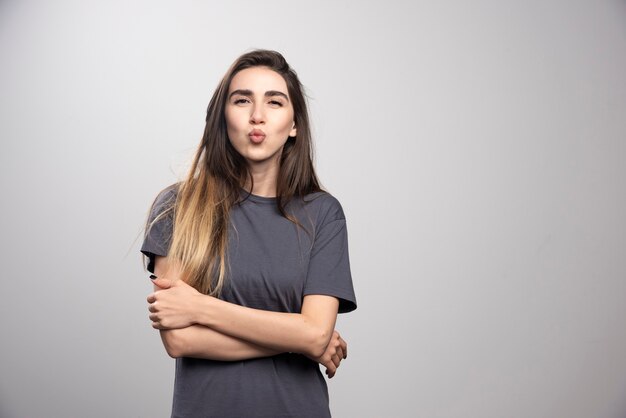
223,160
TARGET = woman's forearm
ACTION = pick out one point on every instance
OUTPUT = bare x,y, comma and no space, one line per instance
307,332
202,342
176,305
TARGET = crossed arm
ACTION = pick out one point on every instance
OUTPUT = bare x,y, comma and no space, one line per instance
195,325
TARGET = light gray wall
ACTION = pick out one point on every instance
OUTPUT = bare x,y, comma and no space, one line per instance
478,149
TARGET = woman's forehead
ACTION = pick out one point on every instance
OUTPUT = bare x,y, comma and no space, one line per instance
258,80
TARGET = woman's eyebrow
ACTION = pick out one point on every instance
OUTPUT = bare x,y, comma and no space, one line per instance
271,93
248,93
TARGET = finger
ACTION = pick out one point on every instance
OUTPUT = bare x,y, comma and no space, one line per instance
342,343
151,308
340,352
162,283
331,370
151,298
336,360
344,346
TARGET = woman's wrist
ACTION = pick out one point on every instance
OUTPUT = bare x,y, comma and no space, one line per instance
202,308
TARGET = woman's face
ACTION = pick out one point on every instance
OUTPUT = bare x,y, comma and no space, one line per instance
259,115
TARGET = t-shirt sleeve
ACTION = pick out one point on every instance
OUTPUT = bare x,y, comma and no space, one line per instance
329,265
158,235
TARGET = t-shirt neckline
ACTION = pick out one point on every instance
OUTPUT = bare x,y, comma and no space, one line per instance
256,198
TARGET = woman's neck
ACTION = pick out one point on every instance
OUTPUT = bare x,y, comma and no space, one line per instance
265,179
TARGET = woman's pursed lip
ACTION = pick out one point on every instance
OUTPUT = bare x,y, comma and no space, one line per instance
257,136
256,132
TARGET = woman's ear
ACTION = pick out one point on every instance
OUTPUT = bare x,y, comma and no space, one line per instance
293,131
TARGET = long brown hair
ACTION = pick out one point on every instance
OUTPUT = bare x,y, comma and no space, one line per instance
214,183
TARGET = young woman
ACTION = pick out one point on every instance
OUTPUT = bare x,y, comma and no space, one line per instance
251,257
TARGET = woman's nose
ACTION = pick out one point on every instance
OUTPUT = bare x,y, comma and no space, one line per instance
257,115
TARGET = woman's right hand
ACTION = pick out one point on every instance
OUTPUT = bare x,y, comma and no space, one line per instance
336,350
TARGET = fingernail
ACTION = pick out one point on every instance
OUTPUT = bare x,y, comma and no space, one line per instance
152,277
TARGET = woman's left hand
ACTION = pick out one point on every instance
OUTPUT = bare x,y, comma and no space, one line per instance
336,350
172,305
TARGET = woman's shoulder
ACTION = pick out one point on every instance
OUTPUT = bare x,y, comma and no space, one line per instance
168,192
325,205
165,198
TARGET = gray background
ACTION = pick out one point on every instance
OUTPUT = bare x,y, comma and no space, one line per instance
478,149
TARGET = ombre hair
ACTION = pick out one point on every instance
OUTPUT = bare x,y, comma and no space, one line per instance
201,210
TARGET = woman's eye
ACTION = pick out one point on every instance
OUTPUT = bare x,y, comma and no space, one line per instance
241,101
275,103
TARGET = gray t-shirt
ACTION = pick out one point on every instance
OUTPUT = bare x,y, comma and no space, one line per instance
273,264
